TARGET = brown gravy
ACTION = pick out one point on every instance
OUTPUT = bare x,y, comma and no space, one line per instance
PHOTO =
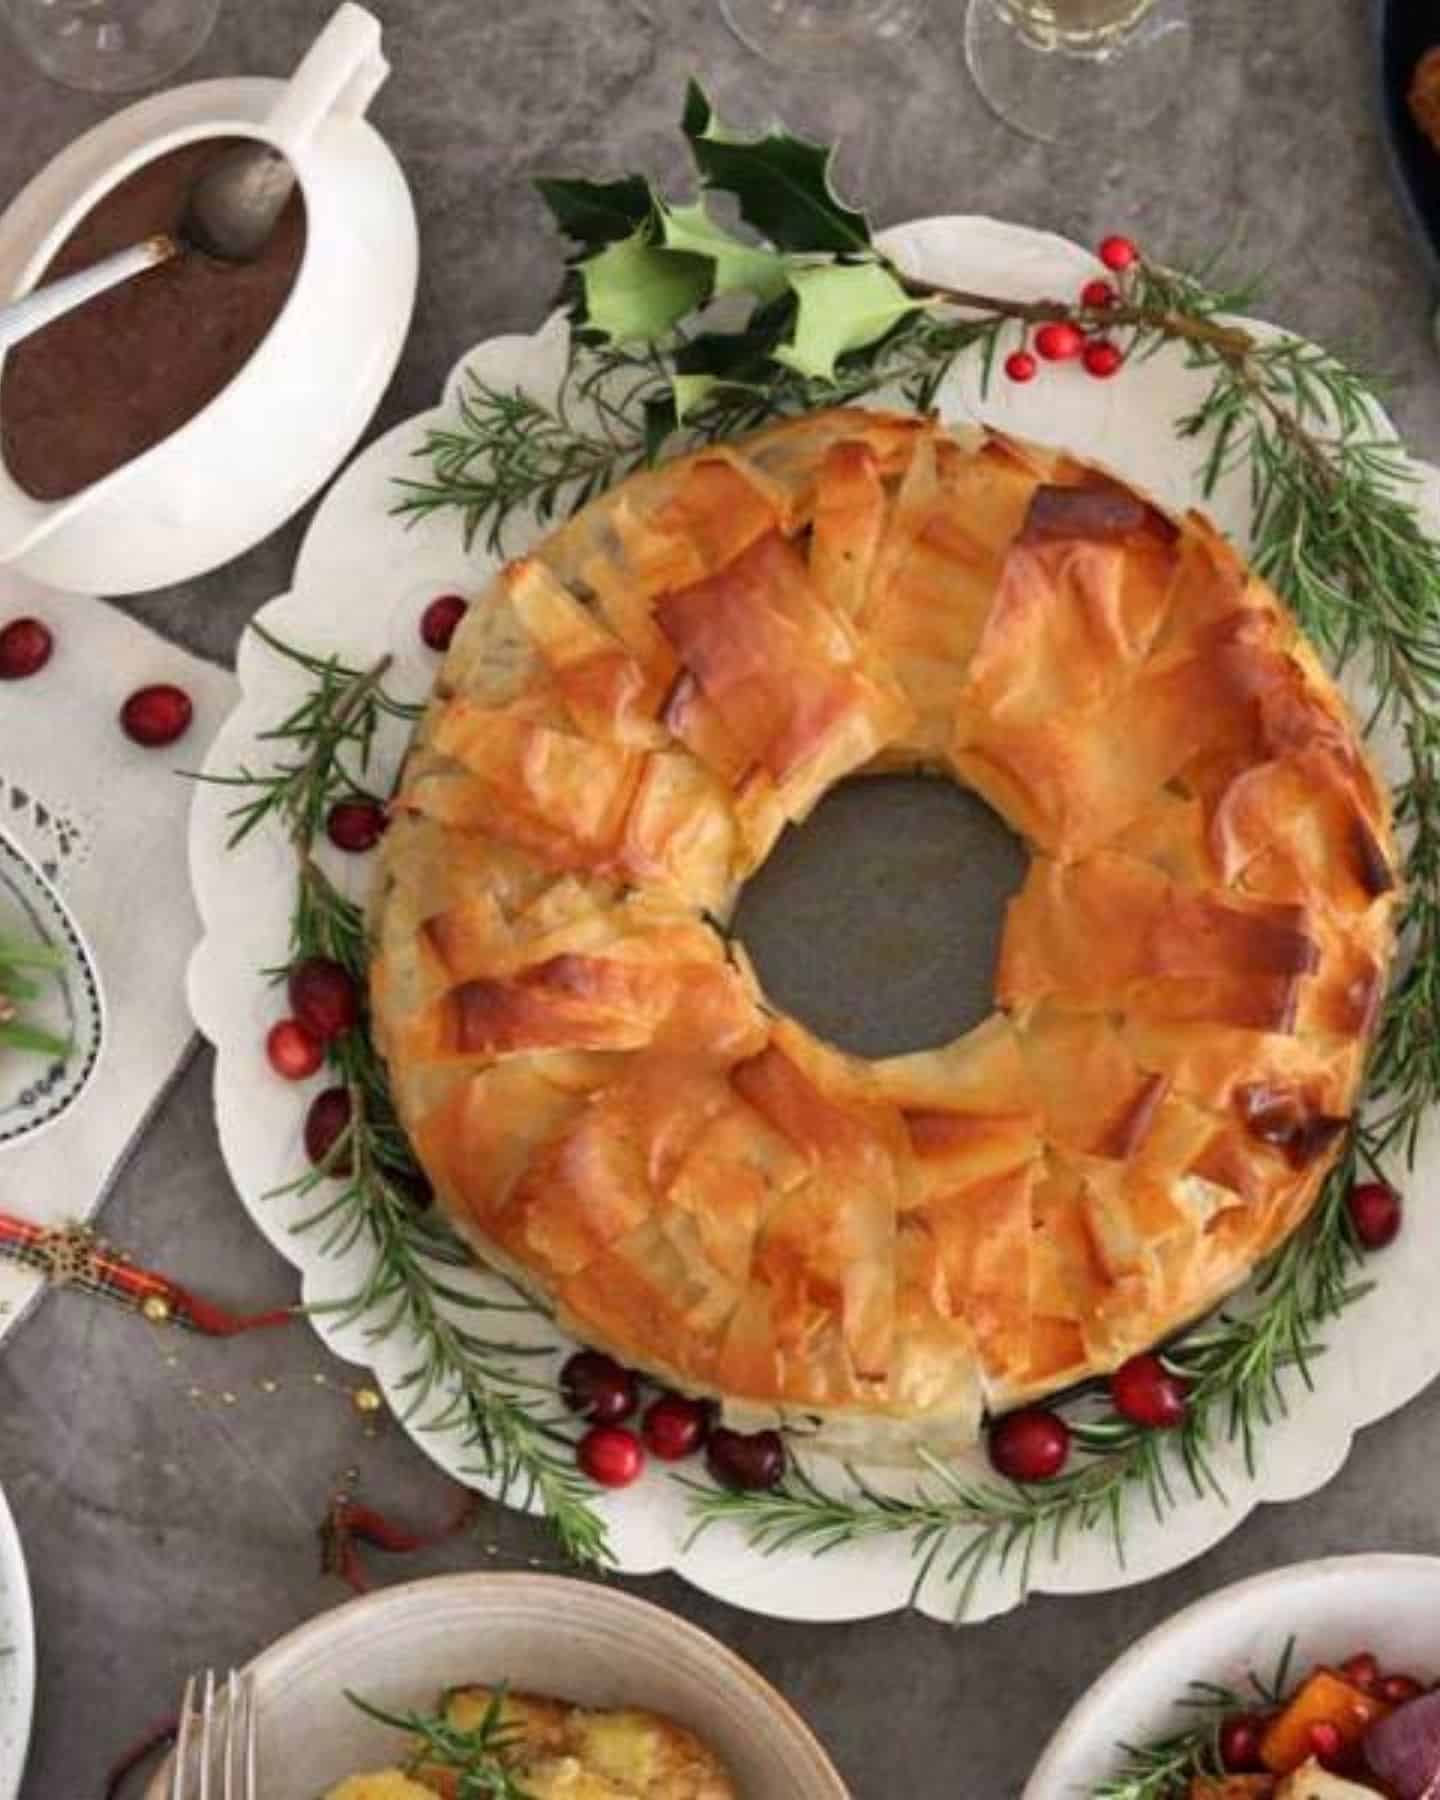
93,390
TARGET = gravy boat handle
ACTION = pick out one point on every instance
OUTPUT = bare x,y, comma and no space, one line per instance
337,77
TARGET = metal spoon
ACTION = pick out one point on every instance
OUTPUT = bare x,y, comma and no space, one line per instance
230,211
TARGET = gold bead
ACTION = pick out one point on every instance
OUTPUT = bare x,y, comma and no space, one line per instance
367,1400
156,1309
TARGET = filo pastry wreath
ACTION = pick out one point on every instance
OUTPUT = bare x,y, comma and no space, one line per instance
1188,979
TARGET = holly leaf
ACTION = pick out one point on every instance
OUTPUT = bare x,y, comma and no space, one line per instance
739,267
637,289
842,307
597,213
782,183
691,391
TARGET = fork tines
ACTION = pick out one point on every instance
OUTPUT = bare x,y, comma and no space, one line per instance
215,1746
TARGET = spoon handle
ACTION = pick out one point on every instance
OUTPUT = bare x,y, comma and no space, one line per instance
22,317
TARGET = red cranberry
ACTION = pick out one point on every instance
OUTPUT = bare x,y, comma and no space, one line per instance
1103,359
746,1461
1239,1744
1060,341
323,997
1030,1445
1145,1392
1376,1213
1118,253
1327,1741
25,647
356,825
1400,1690
1362,1671
441,620
325,1124
292,1051
1021,366
156,716
610,1455
675,1427
598,1388
1098,295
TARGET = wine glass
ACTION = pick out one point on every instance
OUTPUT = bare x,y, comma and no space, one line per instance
1067,69
110,46
820,31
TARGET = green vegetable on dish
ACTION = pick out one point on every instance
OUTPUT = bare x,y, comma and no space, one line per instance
20,965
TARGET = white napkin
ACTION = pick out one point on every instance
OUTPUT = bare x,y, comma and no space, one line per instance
108,822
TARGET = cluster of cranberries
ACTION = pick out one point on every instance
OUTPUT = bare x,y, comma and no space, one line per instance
672,1427
1242,1734
1061,340
1034,1443
152,716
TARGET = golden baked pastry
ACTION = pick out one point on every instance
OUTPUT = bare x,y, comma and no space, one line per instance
561,1752
1188,981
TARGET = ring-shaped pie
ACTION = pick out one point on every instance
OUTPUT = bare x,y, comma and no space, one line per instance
1188,980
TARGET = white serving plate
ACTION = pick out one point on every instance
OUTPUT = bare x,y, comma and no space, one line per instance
37,1090
578,1641
1332,1609
17,1657
360,583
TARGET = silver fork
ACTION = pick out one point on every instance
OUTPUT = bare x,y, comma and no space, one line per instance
219,1739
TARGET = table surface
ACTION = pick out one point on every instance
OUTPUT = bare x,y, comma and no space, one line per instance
168,1490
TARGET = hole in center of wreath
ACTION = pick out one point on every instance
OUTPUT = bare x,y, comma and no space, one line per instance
877,922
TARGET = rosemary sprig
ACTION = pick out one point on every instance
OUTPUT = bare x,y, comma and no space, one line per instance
475,1756
463,1379
19,965
1164,1768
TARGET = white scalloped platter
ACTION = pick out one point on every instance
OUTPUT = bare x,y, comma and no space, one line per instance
360,583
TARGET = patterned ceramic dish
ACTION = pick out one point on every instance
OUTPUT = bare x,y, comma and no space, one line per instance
576,1640
36,1090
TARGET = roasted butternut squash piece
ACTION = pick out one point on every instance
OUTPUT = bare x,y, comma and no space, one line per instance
1325,1699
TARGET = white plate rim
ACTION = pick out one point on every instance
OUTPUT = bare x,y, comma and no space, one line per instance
874,1578
1048,1778
17,1633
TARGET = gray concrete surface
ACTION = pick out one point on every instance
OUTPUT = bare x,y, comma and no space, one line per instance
166,1494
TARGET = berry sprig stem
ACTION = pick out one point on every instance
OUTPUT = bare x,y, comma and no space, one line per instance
366,1181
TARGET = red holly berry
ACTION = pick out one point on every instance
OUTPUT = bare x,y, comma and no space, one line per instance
356,825
1060,341
292,1051
26,645
1103,359
1030,1445
1118,253
1362,1671
1327,1741
1400,1690
610,1455
1144,1391
746,1461
598,1388
325,1124
1020,365
323,997
441,620
675,1427
156,716
1098,294
1239,1745
1376,1213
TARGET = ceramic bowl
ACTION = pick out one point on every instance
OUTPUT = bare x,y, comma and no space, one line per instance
583,1642
35,1091
1332,1609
